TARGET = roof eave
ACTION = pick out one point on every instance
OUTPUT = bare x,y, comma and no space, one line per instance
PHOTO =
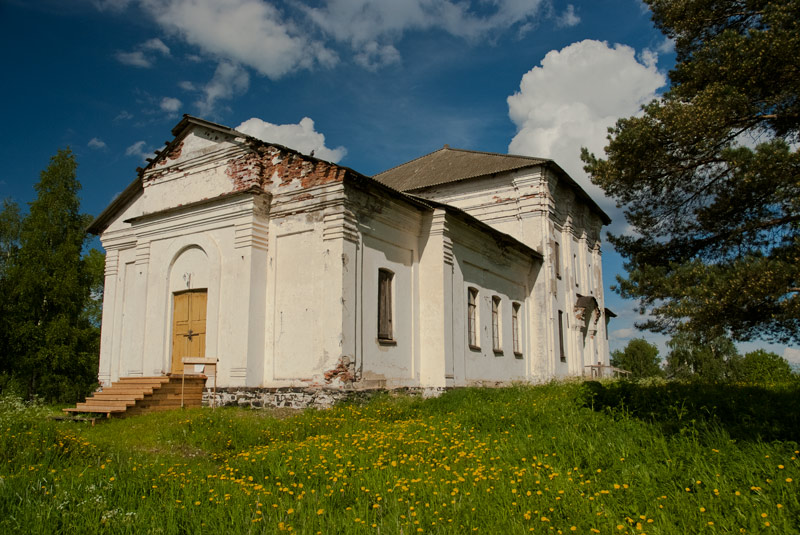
101,222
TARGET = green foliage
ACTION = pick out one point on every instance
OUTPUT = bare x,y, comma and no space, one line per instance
762,367
51,337
9,245
745,412
639,357
648,459
695,357
717,242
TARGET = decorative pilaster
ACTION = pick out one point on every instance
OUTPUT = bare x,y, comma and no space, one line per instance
253,234
340,223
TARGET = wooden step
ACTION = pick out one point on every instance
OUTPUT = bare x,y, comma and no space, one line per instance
160,379
116,396
127,390
97,409
138,395
104,403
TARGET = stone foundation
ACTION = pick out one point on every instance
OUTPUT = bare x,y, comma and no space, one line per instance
301,398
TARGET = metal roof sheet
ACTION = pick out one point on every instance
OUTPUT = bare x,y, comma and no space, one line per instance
451,165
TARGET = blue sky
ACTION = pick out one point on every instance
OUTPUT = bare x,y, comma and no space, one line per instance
367,83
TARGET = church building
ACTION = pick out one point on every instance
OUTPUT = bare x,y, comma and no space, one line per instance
457,268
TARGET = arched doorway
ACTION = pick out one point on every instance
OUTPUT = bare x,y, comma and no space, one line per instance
188,327
189,280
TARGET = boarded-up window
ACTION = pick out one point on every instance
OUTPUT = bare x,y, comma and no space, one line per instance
561,336
496,342
385,304
515,329
472,317
557,259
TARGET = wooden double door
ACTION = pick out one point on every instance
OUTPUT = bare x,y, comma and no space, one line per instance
188,327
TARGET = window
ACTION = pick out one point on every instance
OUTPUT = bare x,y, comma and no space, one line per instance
575,270
385,304
496,341
557,259
472,317
515,329
561,336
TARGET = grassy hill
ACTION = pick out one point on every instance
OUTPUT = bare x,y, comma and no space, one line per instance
558,458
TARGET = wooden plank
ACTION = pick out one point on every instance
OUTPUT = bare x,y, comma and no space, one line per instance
96,409
154,379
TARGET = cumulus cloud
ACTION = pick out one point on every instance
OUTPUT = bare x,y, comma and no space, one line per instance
247,32
229,80
301,137
144,54
792,355
170,104
571,99
138,149
96,143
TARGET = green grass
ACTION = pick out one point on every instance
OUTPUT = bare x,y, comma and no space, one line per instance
558,458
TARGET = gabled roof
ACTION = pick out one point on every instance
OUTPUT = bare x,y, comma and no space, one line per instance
121,201
448,165
451,165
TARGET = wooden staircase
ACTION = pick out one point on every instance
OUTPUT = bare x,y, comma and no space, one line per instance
138,395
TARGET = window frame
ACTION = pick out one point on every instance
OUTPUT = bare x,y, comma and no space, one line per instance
497,325
385,315
557,259
563,353
515,329
473,338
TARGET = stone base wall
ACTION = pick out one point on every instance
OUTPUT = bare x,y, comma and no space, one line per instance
301,398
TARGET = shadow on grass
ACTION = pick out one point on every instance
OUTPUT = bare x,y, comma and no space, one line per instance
746,412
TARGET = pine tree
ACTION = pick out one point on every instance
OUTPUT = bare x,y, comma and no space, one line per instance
709,177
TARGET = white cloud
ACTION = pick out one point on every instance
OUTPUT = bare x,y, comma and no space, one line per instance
123,115
229,80
568,18
156,45
571,99
667,46
144,53
248,32
96,143
138,149
373,55
134,59
301,137
186,85
792,355
170,104
372,27
278,40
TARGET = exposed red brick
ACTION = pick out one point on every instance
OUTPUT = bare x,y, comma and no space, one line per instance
175,153
258,168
